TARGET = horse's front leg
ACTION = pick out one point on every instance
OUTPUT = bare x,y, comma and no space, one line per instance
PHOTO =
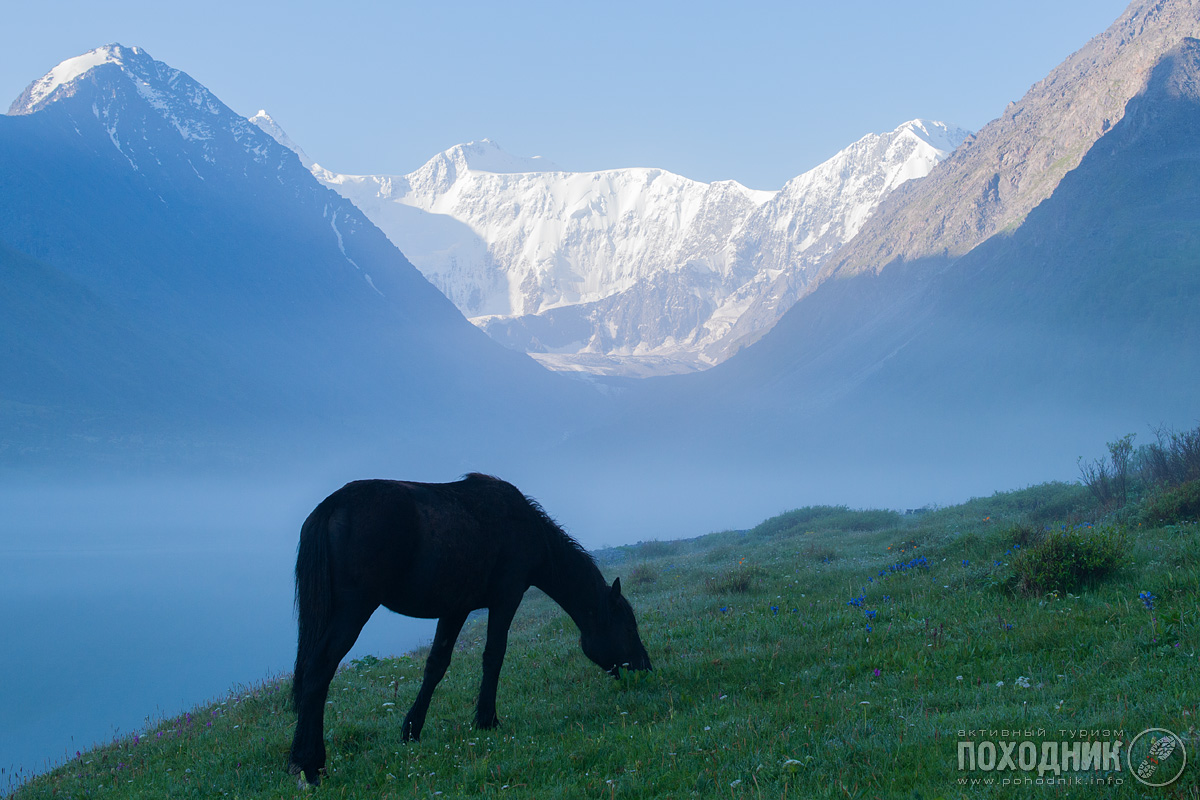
500,617
448,628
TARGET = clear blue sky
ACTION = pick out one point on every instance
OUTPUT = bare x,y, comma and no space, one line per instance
758,92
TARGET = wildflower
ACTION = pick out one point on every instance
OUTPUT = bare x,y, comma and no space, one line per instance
877,672
965,562
735,784
1147,599
959,678
999,684
1023,682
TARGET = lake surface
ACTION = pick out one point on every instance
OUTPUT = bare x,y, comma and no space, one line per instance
104,634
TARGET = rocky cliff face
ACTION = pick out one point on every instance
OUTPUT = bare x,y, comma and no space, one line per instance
1017,161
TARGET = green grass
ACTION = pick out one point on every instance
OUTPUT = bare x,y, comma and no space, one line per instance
767,682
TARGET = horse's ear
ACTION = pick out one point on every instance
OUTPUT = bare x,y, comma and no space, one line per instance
616,589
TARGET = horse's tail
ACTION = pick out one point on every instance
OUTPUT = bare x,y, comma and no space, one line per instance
313,589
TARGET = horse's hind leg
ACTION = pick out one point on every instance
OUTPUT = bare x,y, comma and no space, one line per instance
318,668
448,628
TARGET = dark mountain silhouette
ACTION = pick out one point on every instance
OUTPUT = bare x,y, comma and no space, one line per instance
176,279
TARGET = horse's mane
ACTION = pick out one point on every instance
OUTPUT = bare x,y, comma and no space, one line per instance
557,538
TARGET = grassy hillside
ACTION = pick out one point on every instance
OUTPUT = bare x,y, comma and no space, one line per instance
825,653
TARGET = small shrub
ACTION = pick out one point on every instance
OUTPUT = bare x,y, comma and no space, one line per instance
721,554
1109,482
1024,534
1172,460
1173,505
656,548
739,580
643,575
823,553
825,518
1065,560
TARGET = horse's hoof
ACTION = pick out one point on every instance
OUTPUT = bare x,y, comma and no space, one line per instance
295,769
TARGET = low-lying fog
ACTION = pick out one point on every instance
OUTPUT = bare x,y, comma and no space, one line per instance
129,600
125,605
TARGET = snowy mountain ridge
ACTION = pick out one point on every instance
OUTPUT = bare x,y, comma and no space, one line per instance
628,271
171,130
179,104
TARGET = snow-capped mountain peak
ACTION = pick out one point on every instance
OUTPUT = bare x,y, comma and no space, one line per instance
137,100
487,156
269,126
938,135
65,74
630,270
159,84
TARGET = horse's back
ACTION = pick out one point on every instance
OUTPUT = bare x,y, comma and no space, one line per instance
421,548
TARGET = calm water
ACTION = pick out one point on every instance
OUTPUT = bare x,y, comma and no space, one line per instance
101,638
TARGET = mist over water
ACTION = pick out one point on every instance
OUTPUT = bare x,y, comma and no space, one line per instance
128,603
134,597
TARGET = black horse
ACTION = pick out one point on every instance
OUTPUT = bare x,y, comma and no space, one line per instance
438,550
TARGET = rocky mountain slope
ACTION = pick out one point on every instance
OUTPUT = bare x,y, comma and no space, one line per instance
933,366
1017,161
180,278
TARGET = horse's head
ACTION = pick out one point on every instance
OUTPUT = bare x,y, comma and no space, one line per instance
614,642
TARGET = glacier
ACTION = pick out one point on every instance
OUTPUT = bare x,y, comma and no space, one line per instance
633,272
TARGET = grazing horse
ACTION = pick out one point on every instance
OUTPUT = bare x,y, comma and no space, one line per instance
438,550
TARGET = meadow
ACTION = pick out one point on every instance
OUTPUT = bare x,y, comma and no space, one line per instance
827,652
